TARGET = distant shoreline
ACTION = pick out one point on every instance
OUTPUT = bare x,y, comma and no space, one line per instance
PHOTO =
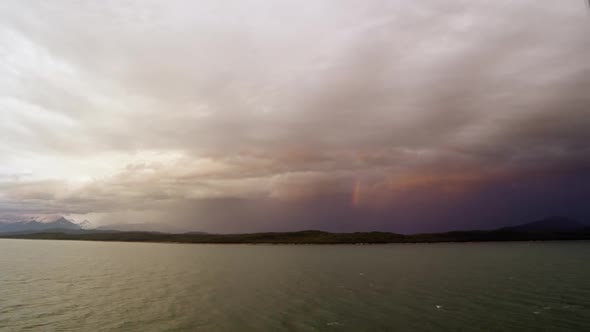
297,244
307,237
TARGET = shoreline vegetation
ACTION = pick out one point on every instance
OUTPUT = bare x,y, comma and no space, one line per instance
306,237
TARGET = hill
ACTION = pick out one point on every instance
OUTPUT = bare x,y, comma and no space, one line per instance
543,230
39,225
552,224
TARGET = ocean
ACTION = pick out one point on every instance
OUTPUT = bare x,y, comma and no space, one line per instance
113,286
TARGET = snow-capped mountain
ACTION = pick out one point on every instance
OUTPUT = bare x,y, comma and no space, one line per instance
44,218
40,223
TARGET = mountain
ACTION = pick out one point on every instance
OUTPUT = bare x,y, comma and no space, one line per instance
60,228
39,224
552,224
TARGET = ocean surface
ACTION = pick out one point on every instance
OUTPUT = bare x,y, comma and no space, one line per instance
102,286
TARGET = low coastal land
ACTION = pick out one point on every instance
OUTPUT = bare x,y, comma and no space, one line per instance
308,237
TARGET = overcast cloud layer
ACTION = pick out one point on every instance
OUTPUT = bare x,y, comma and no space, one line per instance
283,115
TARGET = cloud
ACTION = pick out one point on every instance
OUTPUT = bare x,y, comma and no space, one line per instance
149,109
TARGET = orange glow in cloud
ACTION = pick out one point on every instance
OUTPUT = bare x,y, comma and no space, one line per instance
407,186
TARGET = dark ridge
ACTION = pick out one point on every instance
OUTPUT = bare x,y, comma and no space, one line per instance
310,237
36,226
552,224
554,228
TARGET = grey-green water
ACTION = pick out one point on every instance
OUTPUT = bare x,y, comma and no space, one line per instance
100,286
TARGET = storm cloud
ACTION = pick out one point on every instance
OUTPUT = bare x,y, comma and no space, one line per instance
338,115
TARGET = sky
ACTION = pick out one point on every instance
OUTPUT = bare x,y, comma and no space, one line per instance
339,115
